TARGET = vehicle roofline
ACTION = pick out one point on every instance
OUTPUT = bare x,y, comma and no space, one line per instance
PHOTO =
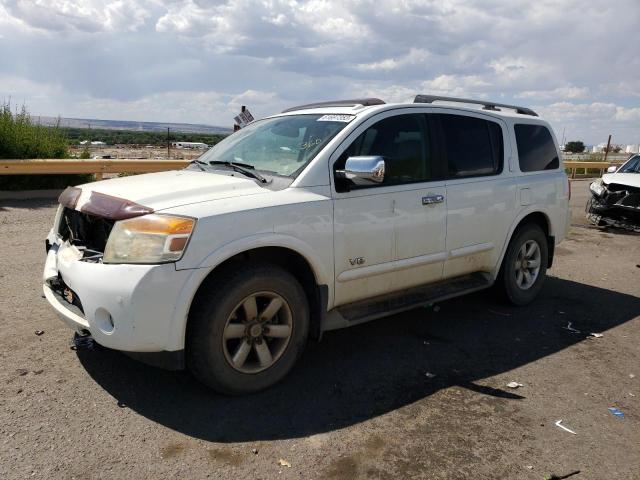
362,111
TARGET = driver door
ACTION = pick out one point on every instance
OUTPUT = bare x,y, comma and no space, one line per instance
386,236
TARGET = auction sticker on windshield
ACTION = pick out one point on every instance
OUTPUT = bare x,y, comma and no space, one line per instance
336,118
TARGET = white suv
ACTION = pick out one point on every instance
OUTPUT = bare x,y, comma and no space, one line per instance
322,217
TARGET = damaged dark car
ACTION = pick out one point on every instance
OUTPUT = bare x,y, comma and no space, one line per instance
615,198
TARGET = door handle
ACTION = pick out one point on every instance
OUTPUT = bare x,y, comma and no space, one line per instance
431,199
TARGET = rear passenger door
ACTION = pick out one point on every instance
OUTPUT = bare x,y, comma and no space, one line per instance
480,193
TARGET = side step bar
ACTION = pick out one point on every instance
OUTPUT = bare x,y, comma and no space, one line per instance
384,305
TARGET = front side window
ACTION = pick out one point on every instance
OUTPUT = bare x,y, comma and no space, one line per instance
472,146
536,149
281,145
401,141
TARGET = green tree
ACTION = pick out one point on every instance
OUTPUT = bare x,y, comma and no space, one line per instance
575,146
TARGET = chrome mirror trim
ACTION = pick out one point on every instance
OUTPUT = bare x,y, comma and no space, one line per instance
363,170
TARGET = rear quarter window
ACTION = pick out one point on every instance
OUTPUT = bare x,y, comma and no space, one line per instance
536,149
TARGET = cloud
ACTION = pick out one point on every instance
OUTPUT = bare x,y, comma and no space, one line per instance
105,55
80,15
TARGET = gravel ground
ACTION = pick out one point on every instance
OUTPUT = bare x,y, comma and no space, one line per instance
360,403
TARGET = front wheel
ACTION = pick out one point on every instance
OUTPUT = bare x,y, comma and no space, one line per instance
247,329
524,265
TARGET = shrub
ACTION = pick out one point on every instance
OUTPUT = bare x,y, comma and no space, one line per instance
20,138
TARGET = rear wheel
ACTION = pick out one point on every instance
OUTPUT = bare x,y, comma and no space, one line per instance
247,330
524,265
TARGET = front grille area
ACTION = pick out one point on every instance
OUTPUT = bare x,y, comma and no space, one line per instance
85,231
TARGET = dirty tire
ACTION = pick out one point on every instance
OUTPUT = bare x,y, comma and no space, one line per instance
506,283
217,299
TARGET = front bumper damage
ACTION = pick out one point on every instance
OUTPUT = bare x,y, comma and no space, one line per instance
130,308
615,205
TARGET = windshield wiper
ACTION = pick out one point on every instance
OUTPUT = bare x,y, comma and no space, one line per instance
199,163
243,168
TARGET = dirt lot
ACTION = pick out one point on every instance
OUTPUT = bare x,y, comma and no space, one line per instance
126,151
359,405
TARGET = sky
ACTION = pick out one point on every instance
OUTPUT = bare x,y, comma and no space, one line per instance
196,61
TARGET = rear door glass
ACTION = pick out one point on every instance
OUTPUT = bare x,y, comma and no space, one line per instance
536,149
472,146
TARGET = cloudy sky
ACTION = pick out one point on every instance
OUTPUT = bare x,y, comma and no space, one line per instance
197,61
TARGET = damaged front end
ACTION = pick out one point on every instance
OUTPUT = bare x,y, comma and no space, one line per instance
81,233
614,205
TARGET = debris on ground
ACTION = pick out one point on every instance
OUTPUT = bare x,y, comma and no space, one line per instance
529,467
631,375
559,424
514,385
561,477
429,375
82,342
570,328
39,332
121,404
37,372
595,335
283,463
499,313
254,451
22,371
617,412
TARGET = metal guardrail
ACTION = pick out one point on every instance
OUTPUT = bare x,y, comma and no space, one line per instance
601,166
102,166
97,166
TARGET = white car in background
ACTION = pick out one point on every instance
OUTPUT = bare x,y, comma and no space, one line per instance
322,217
615,198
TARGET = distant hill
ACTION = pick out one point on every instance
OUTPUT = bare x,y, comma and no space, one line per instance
132,125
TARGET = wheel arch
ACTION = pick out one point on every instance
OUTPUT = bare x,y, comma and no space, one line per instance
287,258
536,217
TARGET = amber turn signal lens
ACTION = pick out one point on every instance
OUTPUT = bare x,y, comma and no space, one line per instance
161,224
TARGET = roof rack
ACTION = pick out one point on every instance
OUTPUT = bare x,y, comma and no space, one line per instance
486,105
365,102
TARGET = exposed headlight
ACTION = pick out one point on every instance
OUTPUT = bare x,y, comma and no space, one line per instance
597,188
148,239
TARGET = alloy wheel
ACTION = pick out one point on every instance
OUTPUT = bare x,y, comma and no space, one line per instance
257,332
527,264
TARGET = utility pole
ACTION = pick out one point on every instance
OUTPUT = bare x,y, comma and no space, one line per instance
606,152
563,129
168,145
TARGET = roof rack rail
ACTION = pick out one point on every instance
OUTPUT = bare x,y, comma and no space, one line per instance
486,104
365,102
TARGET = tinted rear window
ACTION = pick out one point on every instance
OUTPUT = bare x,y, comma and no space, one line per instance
473,146
536,149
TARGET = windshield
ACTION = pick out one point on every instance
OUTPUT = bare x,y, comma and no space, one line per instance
282,145
632,165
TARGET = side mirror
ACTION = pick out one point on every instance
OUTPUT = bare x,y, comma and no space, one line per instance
363,171
612,169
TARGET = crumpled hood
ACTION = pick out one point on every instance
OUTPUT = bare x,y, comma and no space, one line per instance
174,188
630,179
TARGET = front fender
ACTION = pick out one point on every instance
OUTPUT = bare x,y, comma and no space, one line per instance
225,252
